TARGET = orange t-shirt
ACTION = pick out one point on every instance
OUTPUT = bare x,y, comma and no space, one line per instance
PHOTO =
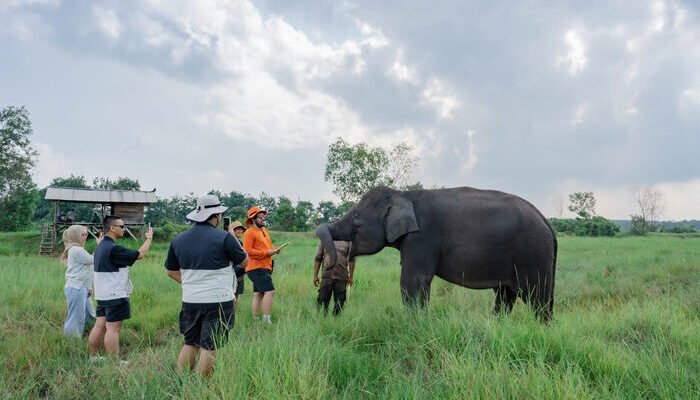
256,242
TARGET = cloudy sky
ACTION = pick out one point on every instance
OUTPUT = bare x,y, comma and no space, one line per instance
539,99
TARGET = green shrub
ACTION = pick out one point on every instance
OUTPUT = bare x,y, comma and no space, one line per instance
596,226
563,225
678,229
639,226
168,230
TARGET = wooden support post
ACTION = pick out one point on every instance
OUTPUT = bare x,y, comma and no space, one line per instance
126,228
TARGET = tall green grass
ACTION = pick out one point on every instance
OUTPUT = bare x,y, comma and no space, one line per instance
626,325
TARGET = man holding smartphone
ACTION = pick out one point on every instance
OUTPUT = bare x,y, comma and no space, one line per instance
112,285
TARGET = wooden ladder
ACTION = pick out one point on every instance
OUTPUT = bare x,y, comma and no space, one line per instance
48,239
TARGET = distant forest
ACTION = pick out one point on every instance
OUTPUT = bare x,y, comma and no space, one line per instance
626,224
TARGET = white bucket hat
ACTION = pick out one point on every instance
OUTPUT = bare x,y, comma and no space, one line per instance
206,207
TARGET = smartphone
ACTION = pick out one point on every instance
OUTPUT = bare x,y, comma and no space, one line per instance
227,222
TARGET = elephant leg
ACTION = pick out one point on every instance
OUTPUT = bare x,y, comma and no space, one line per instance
505,297
415,287
538,294
418,266
542,303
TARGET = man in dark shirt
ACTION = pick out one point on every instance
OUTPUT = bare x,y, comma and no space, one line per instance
112,285
335,278
200,260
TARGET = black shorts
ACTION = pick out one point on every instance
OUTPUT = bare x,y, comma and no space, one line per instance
114,310
207,328
262,280
241,286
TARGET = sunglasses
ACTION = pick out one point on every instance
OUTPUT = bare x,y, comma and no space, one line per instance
119,226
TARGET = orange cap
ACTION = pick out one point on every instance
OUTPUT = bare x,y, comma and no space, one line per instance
255,210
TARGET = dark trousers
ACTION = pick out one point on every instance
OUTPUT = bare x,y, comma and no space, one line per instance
332,287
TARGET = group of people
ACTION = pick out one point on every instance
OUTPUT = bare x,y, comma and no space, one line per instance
209,264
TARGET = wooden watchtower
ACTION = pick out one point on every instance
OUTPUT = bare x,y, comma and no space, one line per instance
128,204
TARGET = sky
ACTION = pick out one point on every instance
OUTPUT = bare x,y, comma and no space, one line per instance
535,98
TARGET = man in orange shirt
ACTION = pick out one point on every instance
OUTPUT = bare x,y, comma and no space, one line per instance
258,244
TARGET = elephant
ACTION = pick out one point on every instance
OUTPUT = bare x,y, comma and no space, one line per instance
474,238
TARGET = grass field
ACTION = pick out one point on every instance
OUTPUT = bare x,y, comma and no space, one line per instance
626,325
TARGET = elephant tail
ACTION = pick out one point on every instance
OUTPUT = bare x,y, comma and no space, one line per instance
555,248
554,269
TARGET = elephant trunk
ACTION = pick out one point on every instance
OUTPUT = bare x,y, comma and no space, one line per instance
324,233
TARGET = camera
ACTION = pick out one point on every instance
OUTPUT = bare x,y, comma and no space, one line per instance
227,222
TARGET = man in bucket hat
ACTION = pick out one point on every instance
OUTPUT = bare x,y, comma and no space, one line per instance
199,259
258,244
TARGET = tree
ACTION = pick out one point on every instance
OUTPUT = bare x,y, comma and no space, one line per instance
650,206
283,218
303,214
413,186
174,209
121,183
17,208
44,209
355,169
18,193
238,204
582,204
326,211
402,161
266,202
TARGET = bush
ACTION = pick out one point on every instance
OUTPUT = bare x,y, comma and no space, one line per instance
639,226
168,230
678,229
596,226
562,225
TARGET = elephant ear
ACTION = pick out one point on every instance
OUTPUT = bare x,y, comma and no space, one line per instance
401,219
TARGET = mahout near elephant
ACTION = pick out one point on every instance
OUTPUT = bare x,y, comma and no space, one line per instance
478,239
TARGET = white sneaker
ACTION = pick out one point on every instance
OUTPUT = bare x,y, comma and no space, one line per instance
124,363
94,359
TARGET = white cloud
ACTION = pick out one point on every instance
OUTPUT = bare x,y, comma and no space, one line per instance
107,22
373,37
630,107
579,115
440,97
272,96
689,102
50,164
470,157
402,72
9,4
259,110
575,58
666,15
